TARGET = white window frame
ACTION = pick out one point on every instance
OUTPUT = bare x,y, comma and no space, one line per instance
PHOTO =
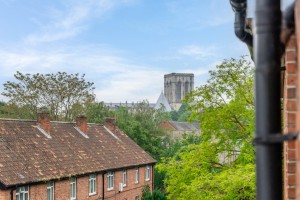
147,172
136,175
73,186
22,191
50,190
124,180
92,184
110,180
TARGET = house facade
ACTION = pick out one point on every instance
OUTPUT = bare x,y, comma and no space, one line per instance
43,160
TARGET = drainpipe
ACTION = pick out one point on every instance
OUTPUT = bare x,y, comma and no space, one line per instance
103,186
240,7
241,29
268,106
152,177
12,194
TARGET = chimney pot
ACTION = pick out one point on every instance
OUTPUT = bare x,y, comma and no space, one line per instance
110,123
81,123
43,120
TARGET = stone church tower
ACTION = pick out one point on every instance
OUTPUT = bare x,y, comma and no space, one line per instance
176,86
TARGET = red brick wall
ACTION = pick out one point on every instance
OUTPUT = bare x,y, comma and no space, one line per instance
62,187
290,118
4,194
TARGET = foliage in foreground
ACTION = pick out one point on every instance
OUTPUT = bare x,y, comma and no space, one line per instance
224,106
155,195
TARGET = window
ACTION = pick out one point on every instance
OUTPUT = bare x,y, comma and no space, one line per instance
137,175
124,177
137,197
110,180
147,173
73,188
92,184
22,193
50,190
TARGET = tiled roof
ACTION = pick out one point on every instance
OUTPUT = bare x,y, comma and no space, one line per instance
27,155
185,126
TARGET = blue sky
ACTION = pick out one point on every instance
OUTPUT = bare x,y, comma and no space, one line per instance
123,46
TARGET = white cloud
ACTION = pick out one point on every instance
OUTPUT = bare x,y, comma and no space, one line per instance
197,52
72,20
133,85
116,79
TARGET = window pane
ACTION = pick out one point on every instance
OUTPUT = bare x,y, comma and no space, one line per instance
48,194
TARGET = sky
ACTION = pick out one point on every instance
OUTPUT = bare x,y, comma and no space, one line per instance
124,46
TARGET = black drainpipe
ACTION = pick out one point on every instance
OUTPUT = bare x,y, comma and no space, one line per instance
152,177
240,7
12,194
268,108
103,186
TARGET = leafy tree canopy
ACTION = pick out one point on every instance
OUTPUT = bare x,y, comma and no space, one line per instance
63,94
97,111
224,106
182,115
140,123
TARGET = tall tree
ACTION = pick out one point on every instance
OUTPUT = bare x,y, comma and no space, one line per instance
97,111
62,93
225,108
141,123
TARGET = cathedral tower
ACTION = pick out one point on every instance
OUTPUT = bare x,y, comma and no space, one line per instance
177,85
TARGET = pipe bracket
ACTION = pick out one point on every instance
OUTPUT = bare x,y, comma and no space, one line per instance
275,138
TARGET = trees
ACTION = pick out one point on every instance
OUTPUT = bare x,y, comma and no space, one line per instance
141,125
182,115
97,111
155,195
63,94
225,108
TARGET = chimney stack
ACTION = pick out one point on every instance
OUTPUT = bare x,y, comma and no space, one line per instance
43,119
81,123
110,123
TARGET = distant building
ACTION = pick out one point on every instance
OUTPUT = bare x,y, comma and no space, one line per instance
176,86
162,102
114,106
177,129
46,159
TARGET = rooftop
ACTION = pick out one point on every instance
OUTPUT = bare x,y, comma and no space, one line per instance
27,155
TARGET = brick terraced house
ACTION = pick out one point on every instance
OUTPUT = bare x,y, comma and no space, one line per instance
43,160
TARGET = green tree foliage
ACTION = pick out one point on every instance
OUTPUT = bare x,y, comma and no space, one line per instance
141,123
224,106
63,94
97,111
155,195
182,115
16,112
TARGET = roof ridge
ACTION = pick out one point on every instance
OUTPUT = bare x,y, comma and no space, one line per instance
11,119
34,120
